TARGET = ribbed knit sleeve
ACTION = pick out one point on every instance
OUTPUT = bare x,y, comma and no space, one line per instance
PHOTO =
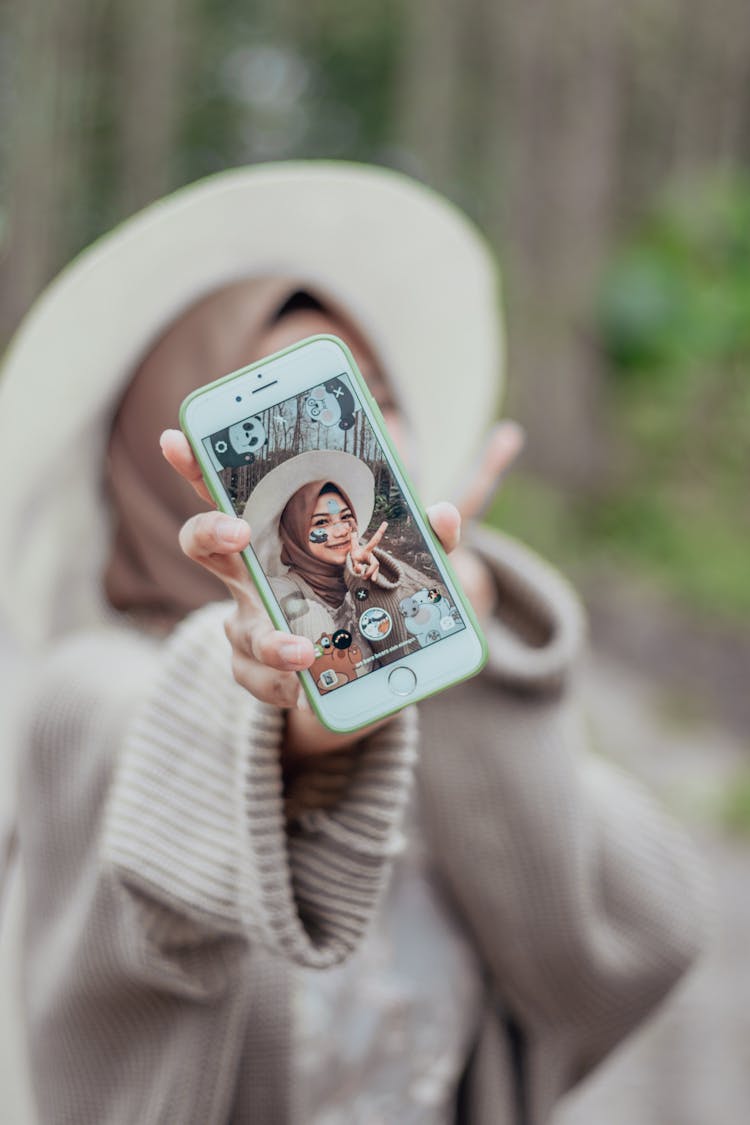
196,825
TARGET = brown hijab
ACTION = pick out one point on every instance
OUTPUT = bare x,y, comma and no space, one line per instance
147,573
326,579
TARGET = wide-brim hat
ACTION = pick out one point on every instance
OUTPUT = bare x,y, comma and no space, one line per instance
272,494
415,274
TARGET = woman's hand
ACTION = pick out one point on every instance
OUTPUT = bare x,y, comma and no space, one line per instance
364,562
264,659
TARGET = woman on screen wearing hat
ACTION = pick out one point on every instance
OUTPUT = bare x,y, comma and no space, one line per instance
309,520
488,931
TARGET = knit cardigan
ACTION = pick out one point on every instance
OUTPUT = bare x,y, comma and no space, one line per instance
168,896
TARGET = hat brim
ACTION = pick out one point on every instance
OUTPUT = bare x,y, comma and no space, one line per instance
417,276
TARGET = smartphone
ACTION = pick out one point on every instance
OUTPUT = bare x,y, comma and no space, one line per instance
341,550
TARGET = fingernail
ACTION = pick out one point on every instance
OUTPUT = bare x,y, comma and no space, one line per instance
231,531
293,651
302,704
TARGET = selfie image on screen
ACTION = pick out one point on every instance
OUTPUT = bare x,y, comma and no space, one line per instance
333,532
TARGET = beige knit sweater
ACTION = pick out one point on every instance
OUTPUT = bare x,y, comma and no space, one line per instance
168,897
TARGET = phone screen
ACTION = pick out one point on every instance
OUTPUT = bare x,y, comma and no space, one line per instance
310,476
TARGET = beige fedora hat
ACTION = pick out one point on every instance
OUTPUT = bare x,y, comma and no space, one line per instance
269,498
415,274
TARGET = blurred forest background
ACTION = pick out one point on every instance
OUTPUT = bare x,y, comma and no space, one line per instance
602,147
605,150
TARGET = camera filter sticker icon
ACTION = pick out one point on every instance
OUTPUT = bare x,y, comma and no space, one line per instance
237,445
331,404
375,623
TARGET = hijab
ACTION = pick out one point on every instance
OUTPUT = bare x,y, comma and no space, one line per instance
147,573
326,579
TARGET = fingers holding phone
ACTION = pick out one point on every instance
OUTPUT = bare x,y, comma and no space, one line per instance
176,450
214,540
364,560
264,660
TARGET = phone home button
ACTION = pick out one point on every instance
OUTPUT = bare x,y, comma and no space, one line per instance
402,681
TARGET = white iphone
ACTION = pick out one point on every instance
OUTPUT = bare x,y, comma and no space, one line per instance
341,551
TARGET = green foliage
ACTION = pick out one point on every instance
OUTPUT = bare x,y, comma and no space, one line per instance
539,515
674,319
274,82
702,556
678,295
734,813
355,50
702,561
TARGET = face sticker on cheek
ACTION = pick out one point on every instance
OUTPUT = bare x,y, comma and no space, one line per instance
318,535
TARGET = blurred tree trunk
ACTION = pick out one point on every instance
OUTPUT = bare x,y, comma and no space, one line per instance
711,94
77,63
554,102
152,37
47,126
429,98
524,99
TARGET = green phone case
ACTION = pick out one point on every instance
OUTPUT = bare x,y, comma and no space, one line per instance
271,605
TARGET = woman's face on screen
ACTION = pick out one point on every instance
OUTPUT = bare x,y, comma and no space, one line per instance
329,536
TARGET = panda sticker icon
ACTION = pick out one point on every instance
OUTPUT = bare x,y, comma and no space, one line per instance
237,445
428,615
331,404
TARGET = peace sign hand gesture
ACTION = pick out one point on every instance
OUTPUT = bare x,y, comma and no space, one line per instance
364,562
